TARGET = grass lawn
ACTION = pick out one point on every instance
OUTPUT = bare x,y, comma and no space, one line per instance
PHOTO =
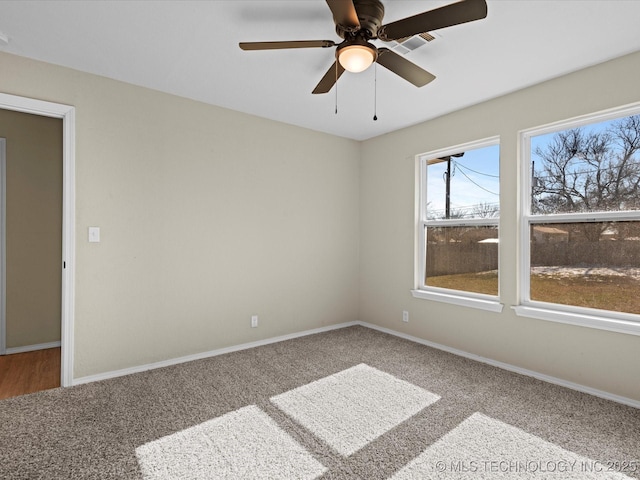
484,282
606,292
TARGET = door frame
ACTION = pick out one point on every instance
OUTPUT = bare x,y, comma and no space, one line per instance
67,113
3,251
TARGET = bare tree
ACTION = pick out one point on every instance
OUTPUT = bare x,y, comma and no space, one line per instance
581,171
486,210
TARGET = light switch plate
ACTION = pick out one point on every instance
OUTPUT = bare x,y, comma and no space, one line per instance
94,234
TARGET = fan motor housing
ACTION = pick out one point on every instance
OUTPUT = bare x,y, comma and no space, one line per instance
370,15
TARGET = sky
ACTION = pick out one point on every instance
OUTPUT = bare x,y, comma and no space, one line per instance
474,180
543,140
577,164
475,176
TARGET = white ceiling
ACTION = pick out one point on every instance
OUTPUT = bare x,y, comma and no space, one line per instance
190,48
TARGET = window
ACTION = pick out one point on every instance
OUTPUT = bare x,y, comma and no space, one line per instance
581,222
458,227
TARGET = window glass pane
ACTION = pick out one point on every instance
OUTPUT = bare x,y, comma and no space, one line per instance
462,258
587,169
595,265
464,185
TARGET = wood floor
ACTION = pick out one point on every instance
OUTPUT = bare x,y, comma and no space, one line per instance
29,372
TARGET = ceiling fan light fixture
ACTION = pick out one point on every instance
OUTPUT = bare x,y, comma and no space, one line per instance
358,22
356,58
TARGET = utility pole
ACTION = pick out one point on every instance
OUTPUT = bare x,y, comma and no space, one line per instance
447,200
447,179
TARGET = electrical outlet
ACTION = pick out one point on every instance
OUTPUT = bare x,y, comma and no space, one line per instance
254,321
405,316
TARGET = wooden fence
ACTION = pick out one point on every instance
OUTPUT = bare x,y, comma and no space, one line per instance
461,258
614,253
481,257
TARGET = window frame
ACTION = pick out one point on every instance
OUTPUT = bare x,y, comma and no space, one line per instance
570,314
439,294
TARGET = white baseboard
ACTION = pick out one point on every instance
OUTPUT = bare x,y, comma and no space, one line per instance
505,366
32,348
512,368
211,353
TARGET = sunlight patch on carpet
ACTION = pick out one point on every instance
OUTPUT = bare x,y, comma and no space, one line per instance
482,447
349,409
245,443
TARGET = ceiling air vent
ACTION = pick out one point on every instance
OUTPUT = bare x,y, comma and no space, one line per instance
408,44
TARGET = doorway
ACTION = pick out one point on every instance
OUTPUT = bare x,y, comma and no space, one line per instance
67,260
32,211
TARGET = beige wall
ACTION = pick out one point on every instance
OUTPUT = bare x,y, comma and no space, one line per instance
34,227
207,216
595,358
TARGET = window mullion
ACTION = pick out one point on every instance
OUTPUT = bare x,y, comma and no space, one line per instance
466,222
585,217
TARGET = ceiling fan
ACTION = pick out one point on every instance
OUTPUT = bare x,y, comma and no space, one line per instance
359,21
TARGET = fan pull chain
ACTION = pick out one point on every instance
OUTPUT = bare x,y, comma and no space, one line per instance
375,91
336,112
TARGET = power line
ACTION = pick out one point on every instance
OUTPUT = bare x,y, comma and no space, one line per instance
583,172
479,186
466,210
474,171
586,172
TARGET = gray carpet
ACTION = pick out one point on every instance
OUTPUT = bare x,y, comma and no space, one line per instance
454,418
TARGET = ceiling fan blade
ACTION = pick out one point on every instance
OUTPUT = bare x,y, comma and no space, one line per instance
344,14
447,16
291,44
404,68
329,79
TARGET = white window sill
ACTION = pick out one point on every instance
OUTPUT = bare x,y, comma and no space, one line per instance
463,300
619,325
